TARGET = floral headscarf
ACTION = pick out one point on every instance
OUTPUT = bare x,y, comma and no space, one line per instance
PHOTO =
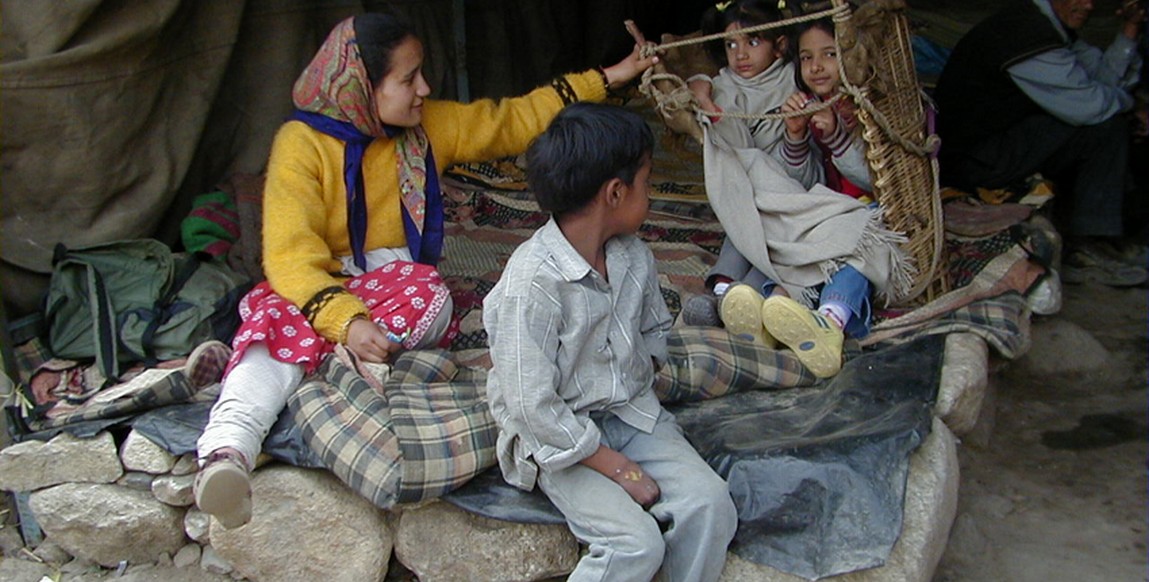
334,95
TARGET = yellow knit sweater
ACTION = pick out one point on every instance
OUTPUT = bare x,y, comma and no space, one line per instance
305,201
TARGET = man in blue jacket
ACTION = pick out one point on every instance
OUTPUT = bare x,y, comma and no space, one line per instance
1022,94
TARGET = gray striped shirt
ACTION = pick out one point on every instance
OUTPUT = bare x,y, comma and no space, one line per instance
566,343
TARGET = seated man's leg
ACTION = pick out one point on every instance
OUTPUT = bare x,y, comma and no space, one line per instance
1094,156
1088,162
1008,158
1097,156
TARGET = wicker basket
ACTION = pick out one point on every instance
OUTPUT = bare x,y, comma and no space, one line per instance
878,58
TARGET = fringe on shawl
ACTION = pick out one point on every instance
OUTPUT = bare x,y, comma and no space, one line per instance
876,240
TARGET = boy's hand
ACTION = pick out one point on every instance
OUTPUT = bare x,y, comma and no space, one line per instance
633,65
642,489
369,342
628,474
796,126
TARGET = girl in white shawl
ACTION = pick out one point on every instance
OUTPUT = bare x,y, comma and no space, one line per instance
787,235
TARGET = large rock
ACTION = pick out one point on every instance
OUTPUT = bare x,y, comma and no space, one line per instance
306,525
174,490
139,453
107,523
930,507
440,542
964,381
197,525
1062,347
32,465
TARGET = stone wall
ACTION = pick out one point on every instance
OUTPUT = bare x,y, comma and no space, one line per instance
106,503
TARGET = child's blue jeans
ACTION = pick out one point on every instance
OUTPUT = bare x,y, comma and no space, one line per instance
848,286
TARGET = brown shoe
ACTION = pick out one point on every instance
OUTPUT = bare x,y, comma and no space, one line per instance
223,488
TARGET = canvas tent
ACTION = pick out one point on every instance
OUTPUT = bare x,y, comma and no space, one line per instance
115,114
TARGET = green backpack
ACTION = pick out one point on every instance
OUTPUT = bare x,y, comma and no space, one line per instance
136,301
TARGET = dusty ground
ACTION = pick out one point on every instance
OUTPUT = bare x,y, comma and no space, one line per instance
1058,489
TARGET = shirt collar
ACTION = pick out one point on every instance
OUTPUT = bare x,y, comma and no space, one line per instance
571,265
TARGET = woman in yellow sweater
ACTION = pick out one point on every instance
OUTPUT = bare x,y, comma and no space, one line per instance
353,227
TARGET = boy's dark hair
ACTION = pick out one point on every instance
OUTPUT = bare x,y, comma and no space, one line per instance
825,25
746,13
585,146
377,34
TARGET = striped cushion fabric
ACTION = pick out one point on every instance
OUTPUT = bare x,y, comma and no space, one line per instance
425,433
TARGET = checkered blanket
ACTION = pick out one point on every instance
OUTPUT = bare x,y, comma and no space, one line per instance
426,429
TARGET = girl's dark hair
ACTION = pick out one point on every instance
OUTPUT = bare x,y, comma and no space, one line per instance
378,33
584,147
746,13
825,25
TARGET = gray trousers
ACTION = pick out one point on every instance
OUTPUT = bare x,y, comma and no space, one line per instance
685,533
1088,164
732,264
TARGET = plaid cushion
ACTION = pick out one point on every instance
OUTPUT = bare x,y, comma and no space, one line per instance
428,433
170,388
708,362
1002,321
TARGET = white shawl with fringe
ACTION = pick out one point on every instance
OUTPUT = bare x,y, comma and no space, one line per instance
798,237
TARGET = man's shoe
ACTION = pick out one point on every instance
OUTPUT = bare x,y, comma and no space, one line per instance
1093,263
701,310
741,312
223,489
1045,297
814,339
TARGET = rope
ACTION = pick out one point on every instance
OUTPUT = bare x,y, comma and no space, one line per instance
648,51
680,98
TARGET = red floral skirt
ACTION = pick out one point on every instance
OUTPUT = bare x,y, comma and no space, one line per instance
402,296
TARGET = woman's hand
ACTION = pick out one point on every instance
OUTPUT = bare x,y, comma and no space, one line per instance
796,126
369,342
633,65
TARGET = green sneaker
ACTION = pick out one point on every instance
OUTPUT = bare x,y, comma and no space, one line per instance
741,312
814,339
